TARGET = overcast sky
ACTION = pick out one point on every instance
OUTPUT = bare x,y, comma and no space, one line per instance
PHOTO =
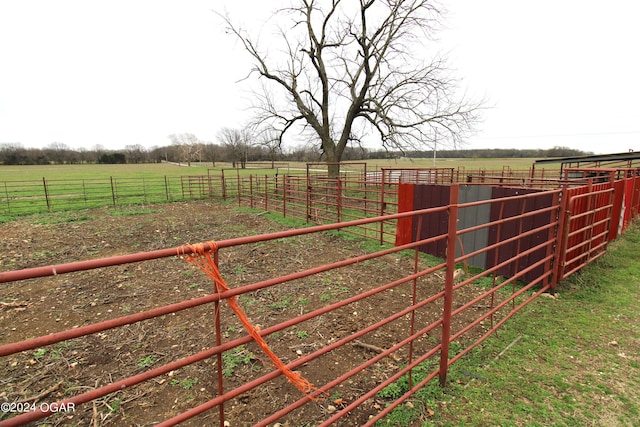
114,73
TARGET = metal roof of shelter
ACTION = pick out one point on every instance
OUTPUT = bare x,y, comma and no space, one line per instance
625,159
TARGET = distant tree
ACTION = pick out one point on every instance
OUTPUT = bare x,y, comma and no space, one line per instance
13,153
210,153
135,153
269,139
58,152
236,143
112,158
188,145
352,68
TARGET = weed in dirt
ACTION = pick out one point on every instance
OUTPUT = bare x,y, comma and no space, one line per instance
60,218
39,353
283,303
132,211
147,361
114,406
238,357
187,383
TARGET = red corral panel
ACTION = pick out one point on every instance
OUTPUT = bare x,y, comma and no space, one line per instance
404,227
588,227
436,223
502,231
617,210
635,200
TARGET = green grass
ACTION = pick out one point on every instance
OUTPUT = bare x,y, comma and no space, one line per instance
575,360
236,359
86,171
76,187
155,170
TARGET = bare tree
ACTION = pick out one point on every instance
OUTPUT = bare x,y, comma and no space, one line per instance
210,153
236,143
188,145
135,153
269,139
58,152
349,69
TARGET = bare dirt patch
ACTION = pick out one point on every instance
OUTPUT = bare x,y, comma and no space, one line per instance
38,307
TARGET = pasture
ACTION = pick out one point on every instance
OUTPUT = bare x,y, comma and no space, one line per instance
159,170
33,189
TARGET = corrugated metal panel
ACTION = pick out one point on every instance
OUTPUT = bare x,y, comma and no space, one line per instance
404,226
431,196
617,211
471,216
504,231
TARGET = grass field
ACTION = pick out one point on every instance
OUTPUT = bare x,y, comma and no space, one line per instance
573,360
26,190
157,170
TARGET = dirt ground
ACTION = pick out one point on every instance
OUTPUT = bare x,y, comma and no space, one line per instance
38,307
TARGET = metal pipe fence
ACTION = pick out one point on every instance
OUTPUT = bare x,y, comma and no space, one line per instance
431,332
362,192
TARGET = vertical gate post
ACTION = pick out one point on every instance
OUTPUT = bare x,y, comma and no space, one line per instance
339,199
251,191
308,196
266,192
382,179
113,191
564,216
218,329
46,193
285,184
452,228
224,185
552,236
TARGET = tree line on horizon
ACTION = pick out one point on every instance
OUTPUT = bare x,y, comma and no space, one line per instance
233,148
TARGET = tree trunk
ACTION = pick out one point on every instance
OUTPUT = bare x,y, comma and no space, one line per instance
333,154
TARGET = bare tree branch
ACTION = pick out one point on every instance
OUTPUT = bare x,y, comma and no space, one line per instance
349,69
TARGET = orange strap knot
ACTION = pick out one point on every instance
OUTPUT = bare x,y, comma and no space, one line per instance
200,256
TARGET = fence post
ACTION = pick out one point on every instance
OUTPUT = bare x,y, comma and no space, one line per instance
308,196
46,193
218,328
238,177
266,193
564,220
285,184
224,187
552,236
382,179
251,191
113,191
339,198
449,279
6,192
166,187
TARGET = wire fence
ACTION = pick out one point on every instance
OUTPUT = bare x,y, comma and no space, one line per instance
25,197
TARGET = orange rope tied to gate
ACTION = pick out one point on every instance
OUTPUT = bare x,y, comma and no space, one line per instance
201,258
